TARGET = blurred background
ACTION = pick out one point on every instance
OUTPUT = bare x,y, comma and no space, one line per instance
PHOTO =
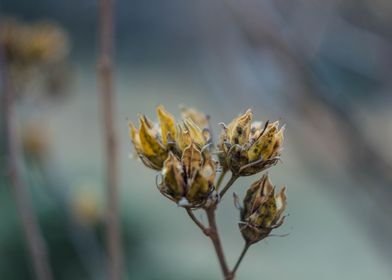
321,67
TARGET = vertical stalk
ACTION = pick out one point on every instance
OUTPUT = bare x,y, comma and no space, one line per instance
35,242
106,79
214,235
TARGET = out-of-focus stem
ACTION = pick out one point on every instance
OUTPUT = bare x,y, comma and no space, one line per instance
106,78
35,242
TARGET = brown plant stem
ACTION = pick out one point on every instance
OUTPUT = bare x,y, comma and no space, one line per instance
34,239
228,185
197,222
244,250
107,91
214,236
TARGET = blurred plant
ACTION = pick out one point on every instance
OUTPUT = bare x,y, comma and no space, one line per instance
35,140
35,51
27,52
184,155
86,207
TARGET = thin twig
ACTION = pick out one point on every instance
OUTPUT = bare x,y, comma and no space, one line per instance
197,222
35,241
214,235
228,185
246,247
220,179
106,75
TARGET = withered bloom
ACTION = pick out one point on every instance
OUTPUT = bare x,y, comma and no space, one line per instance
188,181
247,148
200,119
152,142
262,210
189,132
29,45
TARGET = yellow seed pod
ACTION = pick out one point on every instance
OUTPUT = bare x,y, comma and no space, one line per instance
173,177
278,142
134,135
264,145
267,211
195,132
208,170
148,140
200,119
167,124
199,188
191,160
280,201
239,129
183,138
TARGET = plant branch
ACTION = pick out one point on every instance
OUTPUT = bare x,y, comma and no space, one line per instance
35,241
197,222
220,179
228,185
214,236
246,247
107,91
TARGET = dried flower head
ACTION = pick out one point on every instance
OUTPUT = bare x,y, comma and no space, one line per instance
188,181
28,45
189,132
152,142
247,148
200,119
262,210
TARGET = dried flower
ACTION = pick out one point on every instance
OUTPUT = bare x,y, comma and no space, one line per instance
247,148
200,119
262,210
152,142
189,132
37,50
28,45
188,181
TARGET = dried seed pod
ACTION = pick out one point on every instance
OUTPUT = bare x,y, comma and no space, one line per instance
262,210
247,148
188,181
152,142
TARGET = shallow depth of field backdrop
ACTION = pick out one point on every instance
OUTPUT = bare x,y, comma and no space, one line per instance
322,67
